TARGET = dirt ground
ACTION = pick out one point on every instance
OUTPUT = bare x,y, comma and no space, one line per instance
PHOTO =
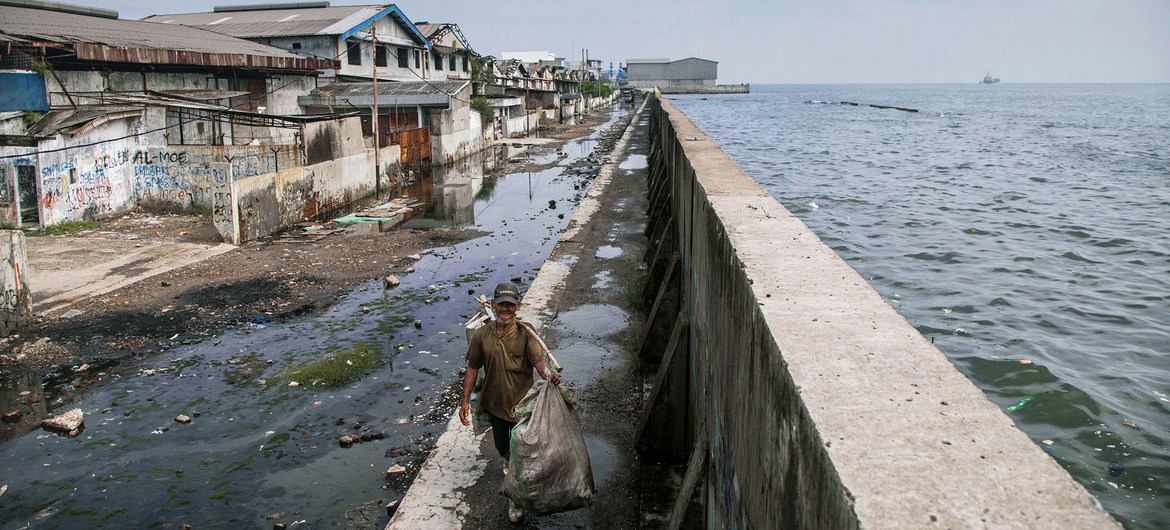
272,279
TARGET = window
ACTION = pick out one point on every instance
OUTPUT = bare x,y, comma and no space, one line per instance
296,45
438,61
403,58
354,53
465,63
451,62
379,55
417,60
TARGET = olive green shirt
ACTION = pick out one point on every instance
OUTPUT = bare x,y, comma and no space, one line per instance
507,362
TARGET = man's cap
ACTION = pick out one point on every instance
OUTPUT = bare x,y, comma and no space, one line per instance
507,292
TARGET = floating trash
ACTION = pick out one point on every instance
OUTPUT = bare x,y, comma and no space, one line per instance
1115,469
1025,361
1020,404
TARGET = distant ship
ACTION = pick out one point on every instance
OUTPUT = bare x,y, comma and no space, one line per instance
988,80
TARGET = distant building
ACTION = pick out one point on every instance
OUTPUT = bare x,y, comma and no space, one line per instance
346,33
692,71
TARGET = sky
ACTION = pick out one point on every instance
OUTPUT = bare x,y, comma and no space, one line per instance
831,41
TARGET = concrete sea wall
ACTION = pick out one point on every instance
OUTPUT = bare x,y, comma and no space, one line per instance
704,89
803,399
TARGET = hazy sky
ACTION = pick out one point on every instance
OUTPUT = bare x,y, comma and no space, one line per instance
835,41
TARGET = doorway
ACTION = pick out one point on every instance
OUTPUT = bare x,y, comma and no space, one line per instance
26,182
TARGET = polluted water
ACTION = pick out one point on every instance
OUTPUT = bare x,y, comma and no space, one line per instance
325,418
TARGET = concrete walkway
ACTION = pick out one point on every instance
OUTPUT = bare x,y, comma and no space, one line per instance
579,302
63,269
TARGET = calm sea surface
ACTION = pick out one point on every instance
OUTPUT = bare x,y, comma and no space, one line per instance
1025,228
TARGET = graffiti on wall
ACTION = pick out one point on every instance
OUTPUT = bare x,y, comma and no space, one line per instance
178,177
85,187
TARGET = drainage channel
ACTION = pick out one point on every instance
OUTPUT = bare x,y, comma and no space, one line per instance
269,403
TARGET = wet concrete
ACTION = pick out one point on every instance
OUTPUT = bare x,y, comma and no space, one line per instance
264,433
593,330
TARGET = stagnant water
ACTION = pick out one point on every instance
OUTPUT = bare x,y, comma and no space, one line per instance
1023,228
260,446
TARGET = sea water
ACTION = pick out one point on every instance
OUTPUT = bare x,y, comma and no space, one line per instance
1025,229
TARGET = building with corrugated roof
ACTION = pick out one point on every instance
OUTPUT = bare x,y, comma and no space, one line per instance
363,38
650,73
103,101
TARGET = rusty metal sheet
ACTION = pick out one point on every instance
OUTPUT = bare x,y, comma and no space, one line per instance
415,144
101,52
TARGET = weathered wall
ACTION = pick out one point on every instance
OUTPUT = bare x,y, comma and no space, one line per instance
817,404
15,308
91,181
328,140
188,176
9,186
455,131
265,204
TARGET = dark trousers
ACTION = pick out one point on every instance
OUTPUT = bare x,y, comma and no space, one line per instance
501,431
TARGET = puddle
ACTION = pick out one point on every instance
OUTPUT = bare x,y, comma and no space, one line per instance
258,445
603,279
602,458
608,252
634,162
592,320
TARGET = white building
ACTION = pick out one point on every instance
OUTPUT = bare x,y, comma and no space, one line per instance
315,29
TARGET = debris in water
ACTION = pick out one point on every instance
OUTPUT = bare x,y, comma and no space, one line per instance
183,418
1025,361
1128,423
1020,404
396,469
1115,469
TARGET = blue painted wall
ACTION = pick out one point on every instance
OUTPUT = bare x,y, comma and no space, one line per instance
23,91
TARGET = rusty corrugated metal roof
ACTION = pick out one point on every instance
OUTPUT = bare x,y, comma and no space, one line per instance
134,41
403,88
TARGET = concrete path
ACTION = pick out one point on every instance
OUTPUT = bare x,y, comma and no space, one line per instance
580,305
63,269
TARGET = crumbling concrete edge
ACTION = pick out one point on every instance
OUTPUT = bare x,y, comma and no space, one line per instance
435,498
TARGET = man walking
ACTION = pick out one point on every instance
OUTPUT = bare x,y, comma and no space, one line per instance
507,353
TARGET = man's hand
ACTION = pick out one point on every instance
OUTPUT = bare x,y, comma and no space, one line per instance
464,409
552,376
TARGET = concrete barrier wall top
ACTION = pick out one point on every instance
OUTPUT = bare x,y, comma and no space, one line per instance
819,405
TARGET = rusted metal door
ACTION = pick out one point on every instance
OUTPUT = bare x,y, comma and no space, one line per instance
415,144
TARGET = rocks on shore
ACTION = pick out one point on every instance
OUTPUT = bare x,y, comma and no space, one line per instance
69,423
390,281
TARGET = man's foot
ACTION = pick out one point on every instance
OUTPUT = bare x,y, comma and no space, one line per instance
515,513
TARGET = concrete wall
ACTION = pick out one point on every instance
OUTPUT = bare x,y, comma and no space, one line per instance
706,89
265,204
817,404
15,308
456,132
188,176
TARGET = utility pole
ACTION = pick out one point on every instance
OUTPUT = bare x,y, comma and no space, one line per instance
377,140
